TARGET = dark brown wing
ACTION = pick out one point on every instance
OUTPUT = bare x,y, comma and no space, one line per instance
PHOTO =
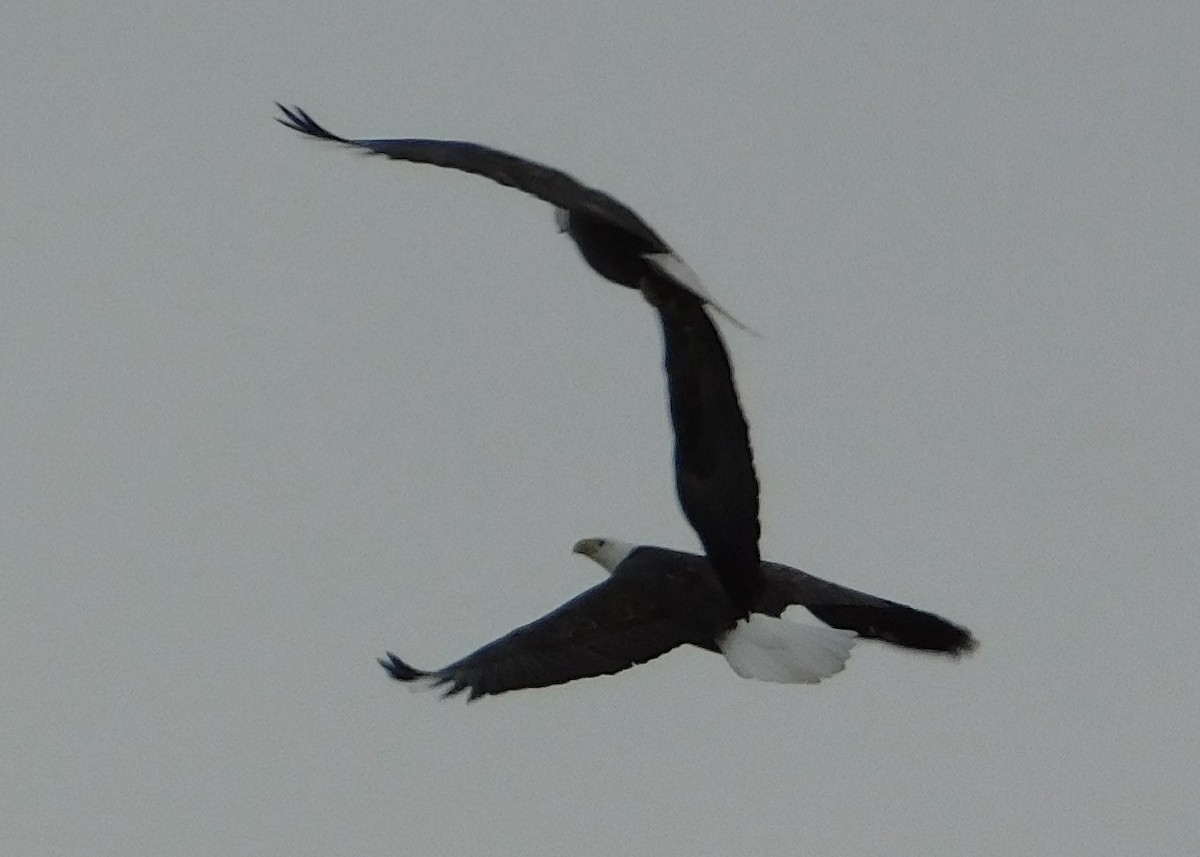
626,620
546,183
714,464
867,615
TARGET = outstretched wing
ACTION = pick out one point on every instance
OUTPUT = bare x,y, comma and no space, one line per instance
867,615
546,183
612,626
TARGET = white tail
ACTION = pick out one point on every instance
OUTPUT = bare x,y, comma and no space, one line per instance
678,270
773,649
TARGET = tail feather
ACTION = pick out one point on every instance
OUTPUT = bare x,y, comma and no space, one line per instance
769,648
678,270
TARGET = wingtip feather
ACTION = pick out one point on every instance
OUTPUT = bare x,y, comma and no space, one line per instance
401,671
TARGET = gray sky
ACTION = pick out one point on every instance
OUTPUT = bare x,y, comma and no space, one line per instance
271,409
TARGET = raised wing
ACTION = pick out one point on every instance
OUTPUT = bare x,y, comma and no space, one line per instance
867,615
714,464
546,183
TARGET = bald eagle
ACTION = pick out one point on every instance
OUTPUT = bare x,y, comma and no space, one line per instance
656,600
613,239
715,478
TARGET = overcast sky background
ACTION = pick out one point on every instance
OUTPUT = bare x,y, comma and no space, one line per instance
270,409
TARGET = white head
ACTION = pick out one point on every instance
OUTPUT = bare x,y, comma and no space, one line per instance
608,553
562,219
